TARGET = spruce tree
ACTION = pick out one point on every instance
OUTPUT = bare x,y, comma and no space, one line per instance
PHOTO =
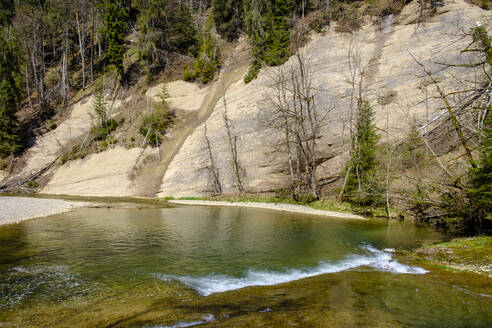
277,51
9,96
7,9
115,19
362,186
164,28
228,16
480,191
207,59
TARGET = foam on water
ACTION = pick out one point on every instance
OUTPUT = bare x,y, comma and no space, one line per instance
216,283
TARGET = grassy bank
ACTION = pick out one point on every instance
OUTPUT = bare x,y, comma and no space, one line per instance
463,254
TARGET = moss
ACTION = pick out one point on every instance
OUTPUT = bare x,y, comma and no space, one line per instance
344,299
465,254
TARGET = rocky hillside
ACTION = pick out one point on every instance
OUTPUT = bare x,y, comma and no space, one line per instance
180,167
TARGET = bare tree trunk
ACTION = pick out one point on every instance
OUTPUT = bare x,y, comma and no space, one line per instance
93,31
43,68
213,170
63,84
28,90
455,122
388,162
81,48
233,147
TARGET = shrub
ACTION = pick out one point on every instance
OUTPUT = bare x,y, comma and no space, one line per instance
157,122
188,76
101,132
53,125
253,71
32,184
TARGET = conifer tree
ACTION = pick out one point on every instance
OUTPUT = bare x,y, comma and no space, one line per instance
278,40
480,192
7,8
115,19
207,60
165,28
228,16
9,96
362,185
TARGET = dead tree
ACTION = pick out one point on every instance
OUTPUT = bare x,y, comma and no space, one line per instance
213,170
232,140
296,115
449,108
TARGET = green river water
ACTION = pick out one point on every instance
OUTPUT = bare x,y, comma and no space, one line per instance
227,267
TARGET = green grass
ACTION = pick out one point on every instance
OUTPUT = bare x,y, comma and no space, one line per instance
472,254
467,243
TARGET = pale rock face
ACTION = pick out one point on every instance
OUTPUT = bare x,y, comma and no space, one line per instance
393,72
182,95
102,174
49,146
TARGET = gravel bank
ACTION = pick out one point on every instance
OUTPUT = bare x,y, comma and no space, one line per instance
273,206
17,209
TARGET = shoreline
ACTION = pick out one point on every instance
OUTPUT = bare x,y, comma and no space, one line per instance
273,206
17,209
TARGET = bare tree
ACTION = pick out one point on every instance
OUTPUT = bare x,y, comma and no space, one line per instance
232,139
295,113
213,170
357,79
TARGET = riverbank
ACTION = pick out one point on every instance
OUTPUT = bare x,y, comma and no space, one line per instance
18,209
272,206
462,254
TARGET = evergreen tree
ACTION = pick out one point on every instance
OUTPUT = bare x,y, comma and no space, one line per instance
268,28
7,9
115,19
362,186
228,16
480,192
165,27
277,43
411,150
9,97
156,123
207,60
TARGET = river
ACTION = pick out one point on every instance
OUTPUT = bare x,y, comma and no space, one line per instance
203,266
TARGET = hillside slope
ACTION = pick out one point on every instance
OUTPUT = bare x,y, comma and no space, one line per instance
181,169
393,72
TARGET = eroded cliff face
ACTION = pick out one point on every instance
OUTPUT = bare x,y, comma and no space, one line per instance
392,74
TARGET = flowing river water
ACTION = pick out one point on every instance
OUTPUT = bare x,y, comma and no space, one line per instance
227,267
